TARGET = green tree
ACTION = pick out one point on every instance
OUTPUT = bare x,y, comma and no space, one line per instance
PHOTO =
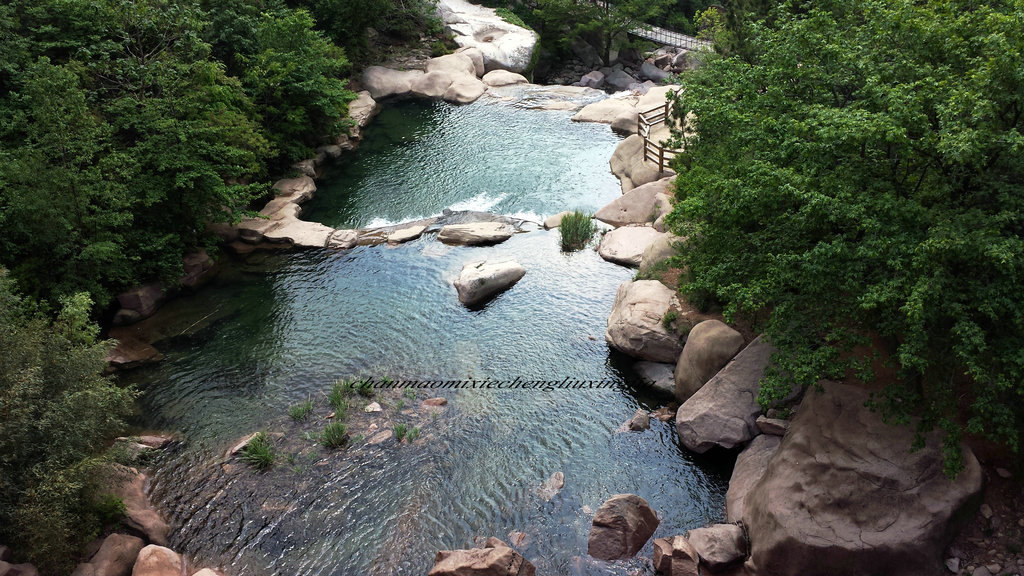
857,177
57,412
295,79
597,21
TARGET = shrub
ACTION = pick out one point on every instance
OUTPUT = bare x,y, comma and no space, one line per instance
258,452
576,230
335,435
57,412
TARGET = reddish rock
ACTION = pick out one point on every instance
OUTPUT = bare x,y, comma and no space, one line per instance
495,559
621,527
435,402
158,561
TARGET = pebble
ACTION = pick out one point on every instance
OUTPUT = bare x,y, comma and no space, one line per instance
981,571
986,511
1003,473
994,568
953,564
372,407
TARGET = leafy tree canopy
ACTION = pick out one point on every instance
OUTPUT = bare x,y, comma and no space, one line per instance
857,178
56,412
598,21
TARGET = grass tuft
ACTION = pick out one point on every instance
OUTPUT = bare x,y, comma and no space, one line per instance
258,452
300,411
364,388
576,230
412,434
400,431
335,435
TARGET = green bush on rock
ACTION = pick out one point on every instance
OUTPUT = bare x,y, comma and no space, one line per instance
858,172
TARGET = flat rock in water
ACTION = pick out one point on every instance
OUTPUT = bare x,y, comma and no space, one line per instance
475,234
480,281
495,559
405,234
626,245
657,375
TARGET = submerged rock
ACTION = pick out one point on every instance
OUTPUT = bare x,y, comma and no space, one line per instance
475,233
481,281
550,488
496,558
621,527
129,485
657,375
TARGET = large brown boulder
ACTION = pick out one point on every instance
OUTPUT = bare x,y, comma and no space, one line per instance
749,468
495,559
720,547
638,206
139,303
844,495
116,556
622,525
635,325
724,411
158,561
709,346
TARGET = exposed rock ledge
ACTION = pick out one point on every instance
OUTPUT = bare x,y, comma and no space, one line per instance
504,46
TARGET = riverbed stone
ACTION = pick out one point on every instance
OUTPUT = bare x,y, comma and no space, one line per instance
129,485
503,45
405,234
635,327
659,251
139,303
495,558
626,245
158,561
724,411
748,470
620,79
638,206
628,165
621,527
464,90
451,64
651,72
556,220
480,281
116,556
845,495
384,82
720,546
8,569
605,111
431,85
552,486
503,78
130,351
475,234
709,346
593,79
674,556
658,376
640,421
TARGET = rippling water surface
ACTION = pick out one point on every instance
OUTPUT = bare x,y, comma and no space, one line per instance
278,329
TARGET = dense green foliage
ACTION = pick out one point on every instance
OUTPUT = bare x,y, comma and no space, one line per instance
858,178
127,126
57,412
351,22
599,24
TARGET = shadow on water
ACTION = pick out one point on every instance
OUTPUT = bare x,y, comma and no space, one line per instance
291,324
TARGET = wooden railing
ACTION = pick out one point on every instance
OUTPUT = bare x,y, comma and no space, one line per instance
645,123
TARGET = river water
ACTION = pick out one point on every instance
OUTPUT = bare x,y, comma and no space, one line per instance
276,329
